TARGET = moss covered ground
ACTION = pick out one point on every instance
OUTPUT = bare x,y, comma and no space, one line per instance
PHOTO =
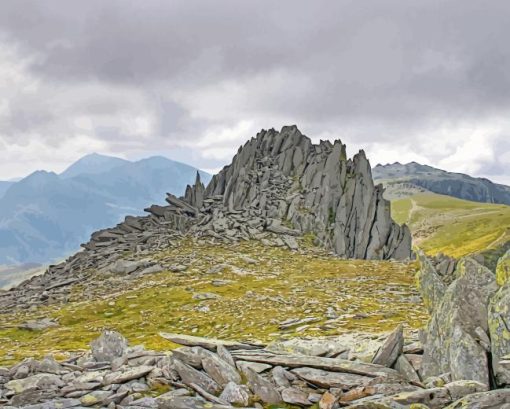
444,224
241,292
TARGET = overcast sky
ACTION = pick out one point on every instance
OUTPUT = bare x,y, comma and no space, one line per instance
192,80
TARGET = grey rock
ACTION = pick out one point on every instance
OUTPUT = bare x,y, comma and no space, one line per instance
181,402
403,366
281,377
391,349
235,394
95,398
254,366
190,376
495,399
219,370
262,388
127,374
37,381
225,355
499,326
108,346
328,380
207,343
451,337
295,396
459,389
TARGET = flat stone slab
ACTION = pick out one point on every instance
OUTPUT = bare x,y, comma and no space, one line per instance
207,343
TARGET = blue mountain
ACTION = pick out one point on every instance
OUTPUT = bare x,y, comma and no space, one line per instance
4,185
93,164
46,216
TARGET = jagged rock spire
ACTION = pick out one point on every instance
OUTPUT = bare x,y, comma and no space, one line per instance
315,189
195,194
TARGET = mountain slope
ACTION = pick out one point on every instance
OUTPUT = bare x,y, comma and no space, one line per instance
4,185
46,216
399,177
443,224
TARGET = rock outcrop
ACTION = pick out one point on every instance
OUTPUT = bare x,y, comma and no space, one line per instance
499,323
279,188
468,334
286,180
456,340
219,374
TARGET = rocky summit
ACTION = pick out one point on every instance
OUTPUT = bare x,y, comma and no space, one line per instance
279,189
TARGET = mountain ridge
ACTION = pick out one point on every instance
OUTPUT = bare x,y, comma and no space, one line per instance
280,189
440,181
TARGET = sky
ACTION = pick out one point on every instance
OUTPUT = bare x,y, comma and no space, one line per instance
421,80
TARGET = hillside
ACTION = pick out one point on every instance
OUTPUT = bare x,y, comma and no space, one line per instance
46,216
404,179
198,288
443,224
4,185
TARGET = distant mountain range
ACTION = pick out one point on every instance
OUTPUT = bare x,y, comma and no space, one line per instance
404,179
45,216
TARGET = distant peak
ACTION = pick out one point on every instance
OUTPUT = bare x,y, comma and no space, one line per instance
92,163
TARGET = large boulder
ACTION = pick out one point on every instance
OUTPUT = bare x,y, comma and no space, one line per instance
499,323
456,336
108,346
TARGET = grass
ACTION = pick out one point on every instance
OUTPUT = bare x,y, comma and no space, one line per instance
368,296
443,224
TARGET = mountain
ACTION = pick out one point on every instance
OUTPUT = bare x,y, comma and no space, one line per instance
4,185
404,179
46,216
93,164
280,189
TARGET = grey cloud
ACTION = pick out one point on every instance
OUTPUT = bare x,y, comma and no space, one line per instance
378,71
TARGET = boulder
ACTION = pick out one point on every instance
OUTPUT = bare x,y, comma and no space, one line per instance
108,346
236,394
452,335
499,324
391,349
262,388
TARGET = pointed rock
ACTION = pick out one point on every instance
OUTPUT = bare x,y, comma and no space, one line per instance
391,349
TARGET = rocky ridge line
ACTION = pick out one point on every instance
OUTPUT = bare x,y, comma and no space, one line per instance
278,188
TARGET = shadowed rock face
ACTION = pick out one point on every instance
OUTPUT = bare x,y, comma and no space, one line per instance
313,189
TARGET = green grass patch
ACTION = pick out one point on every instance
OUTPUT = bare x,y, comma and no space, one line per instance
443,224
253,299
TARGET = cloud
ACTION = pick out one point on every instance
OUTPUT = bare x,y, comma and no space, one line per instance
423,80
